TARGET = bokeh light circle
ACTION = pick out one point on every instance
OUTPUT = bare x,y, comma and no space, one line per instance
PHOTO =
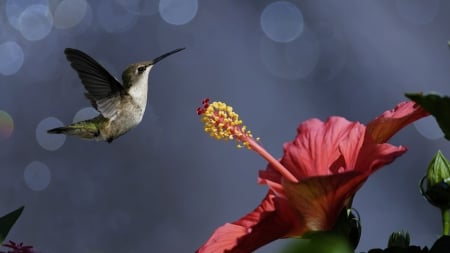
42,62
37,176
113,18
69,13
48,141
11,58
6,125
418,11
85,25
429,128
178,12
291,61
282,21
84,114
333,52
140,7
35,22
14,9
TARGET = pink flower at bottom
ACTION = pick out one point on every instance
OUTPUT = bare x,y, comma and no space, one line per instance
17,248
317,177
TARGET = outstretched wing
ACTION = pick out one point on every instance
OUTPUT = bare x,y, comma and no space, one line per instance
103,90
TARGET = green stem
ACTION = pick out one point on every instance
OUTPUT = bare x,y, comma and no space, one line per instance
446,221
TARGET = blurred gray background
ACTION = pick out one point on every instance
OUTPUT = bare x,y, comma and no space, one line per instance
166,185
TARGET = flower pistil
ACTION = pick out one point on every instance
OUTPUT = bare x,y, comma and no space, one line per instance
222,123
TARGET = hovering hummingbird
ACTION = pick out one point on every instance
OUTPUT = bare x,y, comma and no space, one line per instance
121,107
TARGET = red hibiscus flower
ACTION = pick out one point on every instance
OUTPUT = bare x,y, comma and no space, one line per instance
317,177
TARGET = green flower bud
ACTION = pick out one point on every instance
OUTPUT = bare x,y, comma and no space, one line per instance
348,225
438,170
438,182
399,239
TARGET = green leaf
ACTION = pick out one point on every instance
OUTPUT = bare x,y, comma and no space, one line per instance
7,221
436,105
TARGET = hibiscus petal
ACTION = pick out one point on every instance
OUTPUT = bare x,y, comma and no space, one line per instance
320,139
390,122
224,238
271,220
373,156
319,200
272,179
350,148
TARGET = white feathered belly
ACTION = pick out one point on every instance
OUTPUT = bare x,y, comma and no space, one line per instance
131,112
125,120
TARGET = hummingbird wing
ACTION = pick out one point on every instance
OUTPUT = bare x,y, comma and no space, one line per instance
103,90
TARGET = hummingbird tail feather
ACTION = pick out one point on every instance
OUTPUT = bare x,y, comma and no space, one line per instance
80,129
58,130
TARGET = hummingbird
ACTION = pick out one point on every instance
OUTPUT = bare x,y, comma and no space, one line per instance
121,106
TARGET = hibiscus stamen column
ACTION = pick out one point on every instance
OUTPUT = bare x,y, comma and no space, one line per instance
222,123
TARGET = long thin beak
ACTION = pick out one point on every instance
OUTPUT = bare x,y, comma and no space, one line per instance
157,59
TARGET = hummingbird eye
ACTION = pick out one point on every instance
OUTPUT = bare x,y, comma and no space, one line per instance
141,69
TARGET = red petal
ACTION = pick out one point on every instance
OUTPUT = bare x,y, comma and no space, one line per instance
271,220
315,150
319,200
272,179
390,122
373,156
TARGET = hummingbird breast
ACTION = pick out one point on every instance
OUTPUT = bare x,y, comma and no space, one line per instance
128,116
138,92
130,112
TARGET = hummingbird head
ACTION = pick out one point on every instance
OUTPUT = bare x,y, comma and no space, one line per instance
135,72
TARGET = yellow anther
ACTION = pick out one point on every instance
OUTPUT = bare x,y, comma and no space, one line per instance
222,123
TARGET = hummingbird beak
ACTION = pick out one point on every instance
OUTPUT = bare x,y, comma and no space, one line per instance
157,59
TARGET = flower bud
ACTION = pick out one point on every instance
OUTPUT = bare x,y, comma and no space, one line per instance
438,170
348,225
399,239
438,182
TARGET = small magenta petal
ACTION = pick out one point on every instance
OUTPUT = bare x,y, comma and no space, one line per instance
17,247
